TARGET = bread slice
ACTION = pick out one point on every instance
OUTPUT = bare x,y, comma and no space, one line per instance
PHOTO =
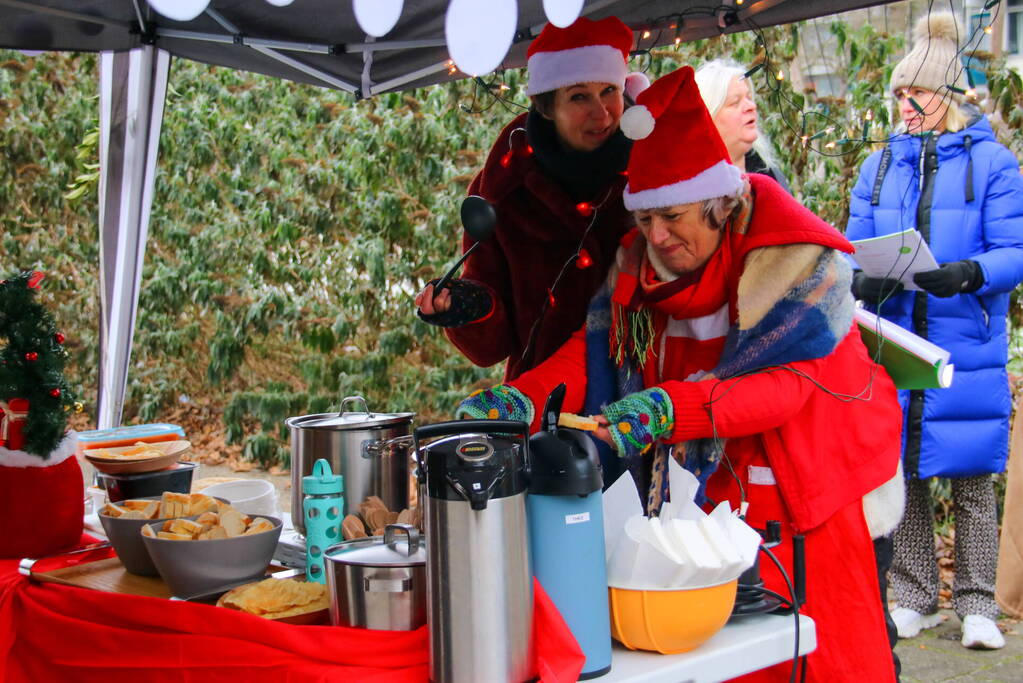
147,530
111,510
200,503
233,522
172,536
577,422
135,504
185,527
174,505
258,526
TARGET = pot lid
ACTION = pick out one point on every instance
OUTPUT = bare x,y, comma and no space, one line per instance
400,546
350,419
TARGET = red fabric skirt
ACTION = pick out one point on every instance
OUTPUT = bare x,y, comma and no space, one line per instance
52,632
842,595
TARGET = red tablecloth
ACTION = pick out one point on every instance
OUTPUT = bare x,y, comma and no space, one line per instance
51,632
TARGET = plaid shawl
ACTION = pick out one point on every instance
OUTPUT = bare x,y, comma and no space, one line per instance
792,303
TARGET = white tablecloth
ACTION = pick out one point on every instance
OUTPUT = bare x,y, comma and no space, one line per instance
747,644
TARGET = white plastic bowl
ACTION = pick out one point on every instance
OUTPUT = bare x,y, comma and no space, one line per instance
251,496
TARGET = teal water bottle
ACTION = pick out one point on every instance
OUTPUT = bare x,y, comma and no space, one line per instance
321,508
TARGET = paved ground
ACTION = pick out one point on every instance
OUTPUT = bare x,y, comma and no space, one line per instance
936,655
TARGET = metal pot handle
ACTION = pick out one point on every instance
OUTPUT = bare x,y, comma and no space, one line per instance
412,538
353,399
377,448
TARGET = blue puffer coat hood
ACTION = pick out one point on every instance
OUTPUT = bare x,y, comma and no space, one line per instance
976,212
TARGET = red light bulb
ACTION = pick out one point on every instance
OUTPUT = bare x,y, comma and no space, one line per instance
506,159
584,261
584,208
529,149
550,298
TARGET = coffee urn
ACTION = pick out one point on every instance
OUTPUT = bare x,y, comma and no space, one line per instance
479,583
566,532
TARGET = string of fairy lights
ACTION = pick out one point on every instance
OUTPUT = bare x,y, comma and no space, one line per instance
817,130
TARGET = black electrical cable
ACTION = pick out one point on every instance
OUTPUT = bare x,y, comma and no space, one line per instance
795,611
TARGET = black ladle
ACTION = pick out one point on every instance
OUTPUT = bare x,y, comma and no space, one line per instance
479,220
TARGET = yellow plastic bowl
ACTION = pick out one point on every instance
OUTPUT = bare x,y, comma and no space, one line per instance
669,621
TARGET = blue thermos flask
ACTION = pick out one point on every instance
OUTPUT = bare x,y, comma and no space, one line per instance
566,532
322,504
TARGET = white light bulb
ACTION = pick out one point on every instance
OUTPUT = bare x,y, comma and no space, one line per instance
377,17
479,33
280,3
562,13
180,10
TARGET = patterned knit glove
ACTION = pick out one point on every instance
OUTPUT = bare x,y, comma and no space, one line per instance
502,402
639,419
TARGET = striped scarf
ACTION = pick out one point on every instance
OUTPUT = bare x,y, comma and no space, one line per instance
792,303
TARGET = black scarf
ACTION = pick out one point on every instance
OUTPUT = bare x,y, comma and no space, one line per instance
582,174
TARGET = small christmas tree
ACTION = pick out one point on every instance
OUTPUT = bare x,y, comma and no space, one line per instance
34,396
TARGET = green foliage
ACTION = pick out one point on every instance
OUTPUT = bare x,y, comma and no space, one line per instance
292,226
32,360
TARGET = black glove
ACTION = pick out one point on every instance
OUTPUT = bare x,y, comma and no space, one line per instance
469,302
951,278
874,290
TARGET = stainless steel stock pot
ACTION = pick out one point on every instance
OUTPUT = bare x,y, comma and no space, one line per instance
370,450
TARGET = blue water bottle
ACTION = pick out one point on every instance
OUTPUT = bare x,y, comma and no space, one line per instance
321,508
566,532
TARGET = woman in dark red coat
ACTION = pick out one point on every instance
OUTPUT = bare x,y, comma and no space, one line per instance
555,177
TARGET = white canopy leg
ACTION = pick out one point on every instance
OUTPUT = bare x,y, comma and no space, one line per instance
133,86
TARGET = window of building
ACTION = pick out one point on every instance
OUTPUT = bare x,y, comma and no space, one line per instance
1014,27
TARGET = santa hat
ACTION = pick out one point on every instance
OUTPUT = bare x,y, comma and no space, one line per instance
586,51
678,156
933,63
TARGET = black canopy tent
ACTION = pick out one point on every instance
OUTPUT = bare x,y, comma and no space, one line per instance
310,41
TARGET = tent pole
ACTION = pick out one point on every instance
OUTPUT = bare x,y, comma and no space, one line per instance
133,87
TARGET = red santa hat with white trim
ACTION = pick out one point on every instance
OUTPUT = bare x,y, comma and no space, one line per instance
678,156
586,51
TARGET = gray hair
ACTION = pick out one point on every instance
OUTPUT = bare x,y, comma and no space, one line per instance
719,210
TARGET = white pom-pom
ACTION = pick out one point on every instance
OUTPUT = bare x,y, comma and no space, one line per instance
637,122
635,83
937,26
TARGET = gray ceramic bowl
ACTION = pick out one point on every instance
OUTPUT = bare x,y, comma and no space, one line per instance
125,536
192,568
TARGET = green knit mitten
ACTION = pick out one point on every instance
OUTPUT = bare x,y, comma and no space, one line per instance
639,419
502,402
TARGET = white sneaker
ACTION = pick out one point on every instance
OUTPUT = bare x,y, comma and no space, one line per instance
909,622
980,633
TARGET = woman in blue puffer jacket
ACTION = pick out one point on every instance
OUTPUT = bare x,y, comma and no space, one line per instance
946,176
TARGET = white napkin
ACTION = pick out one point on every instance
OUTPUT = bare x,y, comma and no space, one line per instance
682,548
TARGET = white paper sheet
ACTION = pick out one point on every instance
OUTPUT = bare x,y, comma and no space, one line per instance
898,256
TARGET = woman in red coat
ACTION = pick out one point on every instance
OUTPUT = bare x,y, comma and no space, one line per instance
555,178
725,336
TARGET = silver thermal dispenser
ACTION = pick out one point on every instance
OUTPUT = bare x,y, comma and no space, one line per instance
479,583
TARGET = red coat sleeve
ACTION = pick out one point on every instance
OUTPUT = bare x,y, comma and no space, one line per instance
568,365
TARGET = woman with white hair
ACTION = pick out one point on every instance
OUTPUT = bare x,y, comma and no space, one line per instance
729,98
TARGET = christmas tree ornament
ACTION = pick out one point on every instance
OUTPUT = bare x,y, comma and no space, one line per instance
59,338
34,280
79,406
32,356
55,392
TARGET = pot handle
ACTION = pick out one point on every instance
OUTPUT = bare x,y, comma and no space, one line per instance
412,537
377,448
354,399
